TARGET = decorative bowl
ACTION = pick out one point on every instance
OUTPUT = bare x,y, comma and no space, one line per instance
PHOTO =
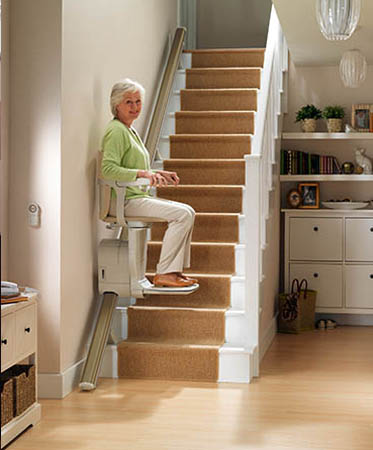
345,205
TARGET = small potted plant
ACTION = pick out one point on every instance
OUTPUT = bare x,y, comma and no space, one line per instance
333,116
308,115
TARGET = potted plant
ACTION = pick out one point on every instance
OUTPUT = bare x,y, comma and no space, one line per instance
308,115
333,115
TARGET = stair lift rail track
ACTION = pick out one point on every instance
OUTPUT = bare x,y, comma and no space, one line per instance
136,231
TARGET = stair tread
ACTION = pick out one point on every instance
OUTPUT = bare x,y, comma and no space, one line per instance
203,186
214,113
205,160
177,309
202,244
203,70
226,50
167,343
218,90
222,136
200,275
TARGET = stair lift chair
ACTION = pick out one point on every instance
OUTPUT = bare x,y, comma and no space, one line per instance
121,269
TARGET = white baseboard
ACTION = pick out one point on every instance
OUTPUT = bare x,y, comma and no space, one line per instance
58,385
266,338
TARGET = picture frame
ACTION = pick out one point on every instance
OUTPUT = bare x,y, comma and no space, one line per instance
360,117
310,194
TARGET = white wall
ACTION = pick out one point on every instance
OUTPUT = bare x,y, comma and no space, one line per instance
65,55
233,23
102,42
4,130
34,161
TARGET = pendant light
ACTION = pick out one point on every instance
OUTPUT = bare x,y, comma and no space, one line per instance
337,18
353,68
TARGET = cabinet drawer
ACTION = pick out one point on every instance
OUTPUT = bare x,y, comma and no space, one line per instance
359,286
7,340
316,239
25,331
323,278
359,239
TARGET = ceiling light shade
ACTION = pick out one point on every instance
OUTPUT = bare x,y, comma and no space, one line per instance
337,18
353,68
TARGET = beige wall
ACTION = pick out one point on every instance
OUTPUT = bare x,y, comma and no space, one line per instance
35,161
233,23
65,56
102,42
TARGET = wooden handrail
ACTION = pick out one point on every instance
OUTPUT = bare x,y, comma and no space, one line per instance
156,121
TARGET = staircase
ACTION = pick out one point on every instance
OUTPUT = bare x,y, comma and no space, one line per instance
201,337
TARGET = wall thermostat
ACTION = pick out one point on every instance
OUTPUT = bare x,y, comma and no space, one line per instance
33,214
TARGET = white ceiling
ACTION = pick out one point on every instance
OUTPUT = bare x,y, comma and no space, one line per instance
307,45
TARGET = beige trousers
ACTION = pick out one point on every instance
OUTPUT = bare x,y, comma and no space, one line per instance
175,252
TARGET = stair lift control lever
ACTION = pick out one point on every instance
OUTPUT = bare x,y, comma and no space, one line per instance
121,273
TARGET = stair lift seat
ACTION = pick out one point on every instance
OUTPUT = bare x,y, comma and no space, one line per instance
122,261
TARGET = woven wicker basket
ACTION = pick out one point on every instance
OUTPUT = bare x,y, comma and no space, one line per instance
309,125
24,387
6,388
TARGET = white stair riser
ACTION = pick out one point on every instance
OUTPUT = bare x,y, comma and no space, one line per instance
164,147
180,80
109,366
237,293
240,259
168,125
186,60
173,104
235,328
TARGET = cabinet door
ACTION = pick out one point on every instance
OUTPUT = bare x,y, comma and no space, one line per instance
25,331
315,239
323,278
7,341
359,286
359,239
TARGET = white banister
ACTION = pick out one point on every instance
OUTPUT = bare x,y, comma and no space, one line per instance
260,180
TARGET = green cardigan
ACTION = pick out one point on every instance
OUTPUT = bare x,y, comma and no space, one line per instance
123,155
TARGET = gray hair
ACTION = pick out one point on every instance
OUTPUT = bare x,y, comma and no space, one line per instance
120,89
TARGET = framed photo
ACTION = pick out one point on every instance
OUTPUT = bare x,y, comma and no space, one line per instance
310,194
360,118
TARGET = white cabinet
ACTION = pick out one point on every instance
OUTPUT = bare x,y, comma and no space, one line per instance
18,344
333,250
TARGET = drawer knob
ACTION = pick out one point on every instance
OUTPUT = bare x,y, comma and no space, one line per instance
371,229
371,276
4,341
27,330
315,275
315,228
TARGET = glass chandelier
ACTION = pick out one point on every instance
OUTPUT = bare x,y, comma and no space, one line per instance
337,18
353,68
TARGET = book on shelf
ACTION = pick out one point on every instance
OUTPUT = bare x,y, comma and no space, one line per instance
297,162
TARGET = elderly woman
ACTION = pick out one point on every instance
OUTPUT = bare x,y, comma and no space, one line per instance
125,158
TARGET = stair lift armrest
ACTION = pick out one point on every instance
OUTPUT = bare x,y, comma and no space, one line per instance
120,190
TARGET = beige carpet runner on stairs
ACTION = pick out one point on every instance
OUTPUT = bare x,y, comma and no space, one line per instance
178,337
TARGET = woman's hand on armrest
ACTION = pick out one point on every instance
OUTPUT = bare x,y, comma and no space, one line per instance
156,179
171,177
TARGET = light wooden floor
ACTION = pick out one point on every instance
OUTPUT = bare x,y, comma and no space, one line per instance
315,392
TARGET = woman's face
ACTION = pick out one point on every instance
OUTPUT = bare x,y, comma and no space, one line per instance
130,107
